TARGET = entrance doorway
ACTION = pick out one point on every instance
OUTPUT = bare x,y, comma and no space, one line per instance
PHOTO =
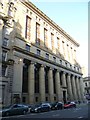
64,97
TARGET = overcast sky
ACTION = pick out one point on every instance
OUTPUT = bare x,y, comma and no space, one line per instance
73,18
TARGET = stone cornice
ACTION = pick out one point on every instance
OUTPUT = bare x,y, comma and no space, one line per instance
41,58
44,16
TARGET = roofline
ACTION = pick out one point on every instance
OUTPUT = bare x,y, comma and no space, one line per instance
34,8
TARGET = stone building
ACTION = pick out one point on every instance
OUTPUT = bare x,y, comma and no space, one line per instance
86,81
38,59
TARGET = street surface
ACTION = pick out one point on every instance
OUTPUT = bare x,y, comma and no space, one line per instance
81,112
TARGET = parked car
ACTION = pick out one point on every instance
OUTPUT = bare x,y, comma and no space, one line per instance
40,108
14,109
57,105
70,105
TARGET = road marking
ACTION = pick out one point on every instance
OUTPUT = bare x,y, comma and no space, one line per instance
56,115
80,117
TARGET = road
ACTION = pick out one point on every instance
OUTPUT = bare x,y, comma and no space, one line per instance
81,112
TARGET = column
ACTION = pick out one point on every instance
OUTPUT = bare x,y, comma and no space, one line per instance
69,88
74,88
78,89
50,85
63,79
31,83
58,87
17,77
82,89
42,83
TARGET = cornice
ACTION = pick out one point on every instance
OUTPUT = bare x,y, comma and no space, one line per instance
43,59
51,22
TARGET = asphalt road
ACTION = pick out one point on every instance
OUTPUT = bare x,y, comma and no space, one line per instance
81,112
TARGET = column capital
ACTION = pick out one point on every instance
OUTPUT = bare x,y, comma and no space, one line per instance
57,70
32,62
42,65
64,72
51,68
69,74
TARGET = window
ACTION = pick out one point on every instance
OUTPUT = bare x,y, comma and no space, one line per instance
52,40
58,43
4,70
85,84
60,61
46,98
47,55
4,55
45,38
38,33
28,27
27,47
54,58
70,66
38,52
5,42
36,99
66,64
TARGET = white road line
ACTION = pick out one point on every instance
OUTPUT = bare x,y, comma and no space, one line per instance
56,115
80,117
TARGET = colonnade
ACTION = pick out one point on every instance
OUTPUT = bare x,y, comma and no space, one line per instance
71,83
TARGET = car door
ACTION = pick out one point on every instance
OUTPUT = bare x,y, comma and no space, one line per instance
14,109
45,107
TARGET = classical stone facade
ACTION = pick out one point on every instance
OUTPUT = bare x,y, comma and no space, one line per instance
86,81
38,57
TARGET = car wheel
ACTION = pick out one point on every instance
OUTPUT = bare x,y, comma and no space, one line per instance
7,114
39,111
24,112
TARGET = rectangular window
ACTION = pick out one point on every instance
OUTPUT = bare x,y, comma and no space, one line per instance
37,33
28,27
52,40
5,42
85,84
4,70
66,64
45,38
58,43
54,58
47,55
38,52
60,61
4,55
27,47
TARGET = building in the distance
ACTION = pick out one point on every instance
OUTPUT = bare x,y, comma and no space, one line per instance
38,57
86,81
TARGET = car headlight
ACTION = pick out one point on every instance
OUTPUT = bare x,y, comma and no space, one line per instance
35,109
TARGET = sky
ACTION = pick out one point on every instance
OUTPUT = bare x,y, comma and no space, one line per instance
72,17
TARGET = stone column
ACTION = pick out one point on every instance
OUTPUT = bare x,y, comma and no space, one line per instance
58,87
63,79
78,89
69,88
42,83
50,85
82,89
74,88
31,83
17,77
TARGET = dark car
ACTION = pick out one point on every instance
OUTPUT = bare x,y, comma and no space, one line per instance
57,105
70,105
14,109
40,108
